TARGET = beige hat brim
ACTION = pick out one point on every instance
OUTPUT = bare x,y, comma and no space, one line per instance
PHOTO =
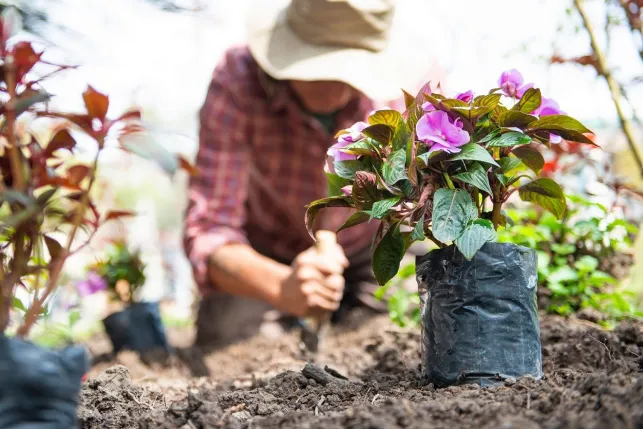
283,55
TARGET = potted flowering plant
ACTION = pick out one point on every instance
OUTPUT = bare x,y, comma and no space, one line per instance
442,170
46,215
138,325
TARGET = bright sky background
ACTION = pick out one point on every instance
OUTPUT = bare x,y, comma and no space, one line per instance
162,61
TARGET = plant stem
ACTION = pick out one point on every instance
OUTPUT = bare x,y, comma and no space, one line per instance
17,172
448,180
496,214
57,265
604,71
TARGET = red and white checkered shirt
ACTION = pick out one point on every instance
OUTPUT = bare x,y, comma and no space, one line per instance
260,163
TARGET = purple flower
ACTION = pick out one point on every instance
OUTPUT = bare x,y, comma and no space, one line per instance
511,83
549,107
94,283
428,107
348,190
467,97
352,135
437,131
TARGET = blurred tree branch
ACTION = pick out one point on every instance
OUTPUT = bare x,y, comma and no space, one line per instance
598,61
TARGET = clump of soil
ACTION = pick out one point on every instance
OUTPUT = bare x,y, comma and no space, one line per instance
370,378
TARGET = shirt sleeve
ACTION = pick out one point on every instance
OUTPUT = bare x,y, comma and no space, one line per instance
217,194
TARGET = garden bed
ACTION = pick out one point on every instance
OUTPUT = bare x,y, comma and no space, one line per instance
593,379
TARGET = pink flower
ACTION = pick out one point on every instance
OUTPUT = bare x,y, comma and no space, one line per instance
549,107
438,132
428,107
348,190
94,283
511,83
467,97
352,135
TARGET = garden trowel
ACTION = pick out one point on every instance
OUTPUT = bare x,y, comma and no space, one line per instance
314,328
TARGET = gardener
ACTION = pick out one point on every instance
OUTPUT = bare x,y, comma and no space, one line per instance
311,68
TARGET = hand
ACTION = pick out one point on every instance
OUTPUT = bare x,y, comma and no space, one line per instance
316,283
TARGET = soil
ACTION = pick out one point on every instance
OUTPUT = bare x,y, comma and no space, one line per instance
593,379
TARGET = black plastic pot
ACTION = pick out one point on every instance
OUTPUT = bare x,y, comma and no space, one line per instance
39,387
479,317
138,328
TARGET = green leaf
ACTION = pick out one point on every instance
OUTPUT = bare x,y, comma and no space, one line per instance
347,169
476,176
586,264
490,100
402,136
473,152
394,169
600,279
556,123
381,291
366,147
452,212
474,237
312,210
514,118
388,255
563,249
385,117
531,157
16,303
335,184
418,230
507,164
365,191
563,274
355,219
529,102
381,208
73,317
380,132
512,138
547,194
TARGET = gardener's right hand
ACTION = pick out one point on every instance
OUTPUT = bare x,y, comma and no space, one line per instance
316,283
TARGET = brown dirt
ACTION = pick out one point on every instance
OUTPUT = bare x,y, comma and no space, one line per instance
593,379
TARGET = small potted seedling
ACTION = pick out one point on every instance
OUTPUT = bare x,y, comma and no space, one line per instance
46,215
135,325
443,170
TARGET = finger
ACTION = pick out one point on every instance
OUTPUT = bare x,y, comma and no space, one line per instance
305,273
321,289
320,303
335,282
325,264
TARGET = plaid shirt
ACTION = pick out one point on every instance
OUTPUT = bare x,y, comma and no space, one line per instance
260,163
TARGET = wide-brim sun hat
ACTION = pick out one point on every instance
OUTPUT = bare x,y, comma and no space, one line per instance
356,42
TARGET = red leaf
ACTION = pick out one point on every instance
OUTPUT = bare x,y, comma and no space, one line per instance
116,214
129,115
96,103
84,122
24,58
77,173
184,164
61,140
55,249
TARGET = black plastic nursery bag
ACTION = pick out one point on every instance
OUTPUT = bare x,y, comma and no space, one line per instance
479,317
138,327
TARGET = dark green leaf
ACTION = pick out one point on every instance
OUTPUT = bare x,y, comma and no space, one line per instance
335,184
380,132
473,152
365,191
418,231
347,169
545,193
474,237
381,208
531,157
452,212
312,210
402,136
555,123
385,117
394,169
508,163
54,248
529,102
514,118
388,254
355,219
490,100
44,198
512,138
572,136
476,176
